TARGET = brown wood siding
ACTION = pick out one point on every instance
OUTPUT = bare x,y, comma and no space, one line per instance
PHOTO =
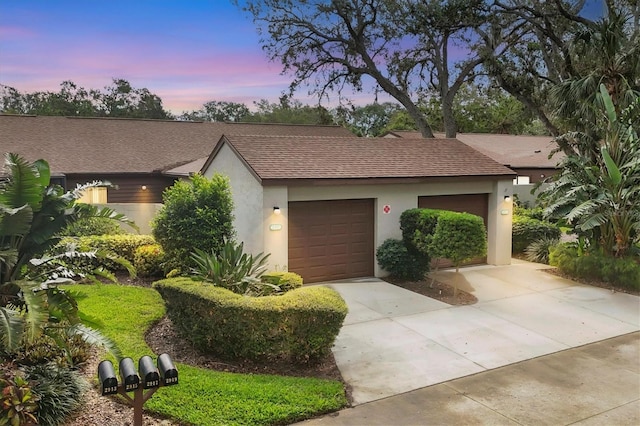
331,240
128,188
477,204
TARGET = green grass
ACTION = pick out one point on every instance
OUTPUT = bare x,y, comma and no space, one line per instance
205,397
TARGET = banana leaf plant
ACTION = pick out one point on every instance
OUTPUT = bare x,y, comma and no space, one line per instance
32,214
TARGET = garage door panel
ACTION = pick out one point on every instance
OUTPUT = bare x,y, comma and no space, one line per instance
331,240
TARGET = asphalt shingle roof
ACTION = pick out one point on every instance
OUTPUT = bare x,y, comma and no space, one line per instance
311,157
520,151
106,145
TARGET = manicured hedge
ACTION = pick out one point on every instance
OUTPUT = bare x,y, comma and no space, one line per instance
459,237
527,230
299,326
124,245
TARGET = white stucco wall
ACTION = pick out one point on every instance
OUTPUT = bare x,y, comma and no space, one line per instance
140,213
401,197
247,199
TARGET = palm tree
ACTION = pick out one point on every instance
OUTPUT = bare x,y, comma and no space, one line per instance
606,53
599,193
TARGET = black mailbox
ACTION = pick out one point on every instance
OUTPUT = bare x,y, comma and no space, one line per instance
107,377
168,371
128,374
148,373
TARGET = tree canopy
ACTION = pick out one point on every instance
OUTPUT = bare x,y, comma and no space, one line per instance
332,45
119,99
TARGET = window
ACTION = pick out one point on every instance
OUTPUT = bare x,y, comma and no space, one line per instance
96,195
522,180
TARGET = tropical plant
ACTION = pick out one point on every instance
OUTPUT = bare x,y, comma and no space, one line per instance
32,213
17,402
538,251
232,269
599,195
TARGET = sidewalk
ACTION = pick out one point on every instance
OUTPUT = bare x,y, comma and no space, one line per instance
526,353
596,384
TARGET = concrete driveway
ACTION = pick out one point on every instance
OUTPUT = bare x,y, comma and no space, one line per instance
395,341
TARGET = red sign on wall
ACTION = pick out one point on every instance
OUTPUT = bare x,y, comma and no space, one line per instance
386,209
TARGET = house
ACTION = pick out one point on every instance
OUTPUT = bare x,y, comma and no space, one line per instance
138,159
527,155
321,206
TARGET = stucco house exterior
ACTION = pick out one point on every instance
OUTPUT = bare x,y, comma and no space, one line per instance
321,206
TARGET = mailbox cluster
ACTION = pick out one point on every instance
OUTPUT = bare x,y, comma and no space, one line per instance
147,376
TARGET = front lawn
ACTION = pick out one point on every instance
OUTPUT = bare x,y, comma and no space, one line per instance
205,397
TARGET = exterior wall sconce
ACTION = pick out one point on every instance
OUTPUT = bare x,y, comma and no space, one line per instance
276,210
507,198
144,187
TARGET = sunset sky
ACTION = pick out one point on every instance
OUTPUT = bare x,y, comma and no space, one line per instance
187,52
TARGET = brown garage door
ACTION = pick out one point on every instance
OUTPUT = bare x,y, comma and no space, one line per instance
477,204
331,240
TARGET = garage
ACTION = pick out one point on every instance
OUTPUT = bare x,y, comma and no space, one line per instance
331,239
477,204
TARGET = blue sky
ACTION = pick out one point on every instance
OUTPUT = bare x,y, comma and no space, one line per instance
187,52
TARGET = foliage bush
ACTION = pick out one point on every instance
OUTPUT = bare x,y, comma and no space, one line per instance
59,390
196,214
299,326
286,281
394,257
124,245
623,272
459,237
418,226
531,213
92,226
538,251
149,260
527,230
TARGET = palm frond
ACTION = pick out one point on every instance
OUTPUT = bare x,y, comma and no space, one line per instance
36,314
11,329
94,337
23,186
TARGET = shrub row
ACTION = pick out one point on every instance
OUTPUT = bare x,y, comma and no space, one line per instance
526,230
624,272
139,250
299,326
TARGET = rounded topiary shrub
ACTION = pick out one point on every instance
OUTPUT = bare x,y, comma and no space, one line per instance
459,237
394,257
527,230
197,213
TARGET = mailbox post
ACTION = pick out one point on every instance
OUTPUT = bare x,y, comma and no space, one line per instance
148,378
